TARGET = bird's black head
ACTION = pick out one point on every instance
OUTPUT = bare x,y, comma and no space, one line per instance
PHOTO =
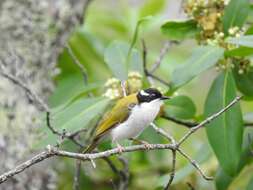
150,94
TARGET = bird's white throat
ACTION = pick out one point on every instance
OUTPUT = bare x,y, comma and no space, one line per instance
140,117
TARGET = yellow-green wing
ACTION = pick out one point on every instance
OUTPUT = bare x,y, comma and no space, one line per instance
118,114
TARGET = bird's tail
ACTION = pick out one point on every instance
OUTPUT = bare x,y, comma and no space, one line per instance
91,147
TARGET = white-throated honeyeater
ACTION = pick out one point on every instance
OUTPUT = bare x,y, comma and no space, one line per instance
129,117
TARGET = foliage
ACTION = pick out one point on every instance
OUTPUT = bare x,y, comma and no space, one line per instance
216,68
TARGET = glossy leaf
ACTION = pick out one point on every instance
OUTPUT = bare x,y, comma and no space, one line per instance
240,52
136,33
250,184
222,180
181,107
225,133
244,82
235,14
246,41
152,7
247,148
76,116
116,57
79,113
68,94
202,58
176,30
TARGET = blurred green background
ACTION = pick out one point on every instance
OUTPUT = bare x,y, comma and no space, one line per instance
106,21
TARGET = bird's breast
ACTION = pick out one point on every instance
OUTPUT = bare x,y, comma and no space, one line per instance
140,117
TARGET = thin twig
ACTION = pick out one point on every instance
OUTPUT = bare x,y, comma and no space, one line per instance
76,182
32,94
190,186
187,124
163,52
78,64
163,133
209,119
54,131
52,151
25,165
191,124
173,171
124,174
63,134
146,72
194,163
248,124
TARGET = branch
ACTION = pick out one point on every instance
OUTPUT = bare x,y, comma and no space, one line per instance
172,175
63,134
194,163
248,124
163,133
187,124
52,151
162,54
190,186
146,72
191,124
32,94
77,175
78,64
124,174
208,120
18,169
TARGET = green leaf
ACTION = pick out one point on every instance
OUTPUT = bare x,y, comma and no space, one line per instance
76,116
116,57
68,91
202,156
136,32
246,41
181,107
152,7
202,58
79,113
244,82
225,132
176,30
249,30
250,184
222,180
235,14
240,52
246,148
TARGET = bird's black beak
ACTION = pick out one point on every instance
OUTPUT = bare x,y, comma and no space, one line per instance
165,98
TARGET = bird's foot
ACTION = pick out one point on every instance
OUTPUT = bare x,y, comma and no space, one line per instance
147,145
120,148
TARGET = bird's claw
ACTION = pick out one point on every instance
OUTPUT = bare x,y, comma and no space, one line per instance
147,145
120,148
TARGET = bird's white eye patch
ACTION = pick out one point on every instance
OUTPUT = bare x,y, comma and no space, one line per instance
143,93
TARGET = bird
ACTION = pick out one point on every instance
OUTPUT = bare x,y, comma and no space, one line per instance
128,118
